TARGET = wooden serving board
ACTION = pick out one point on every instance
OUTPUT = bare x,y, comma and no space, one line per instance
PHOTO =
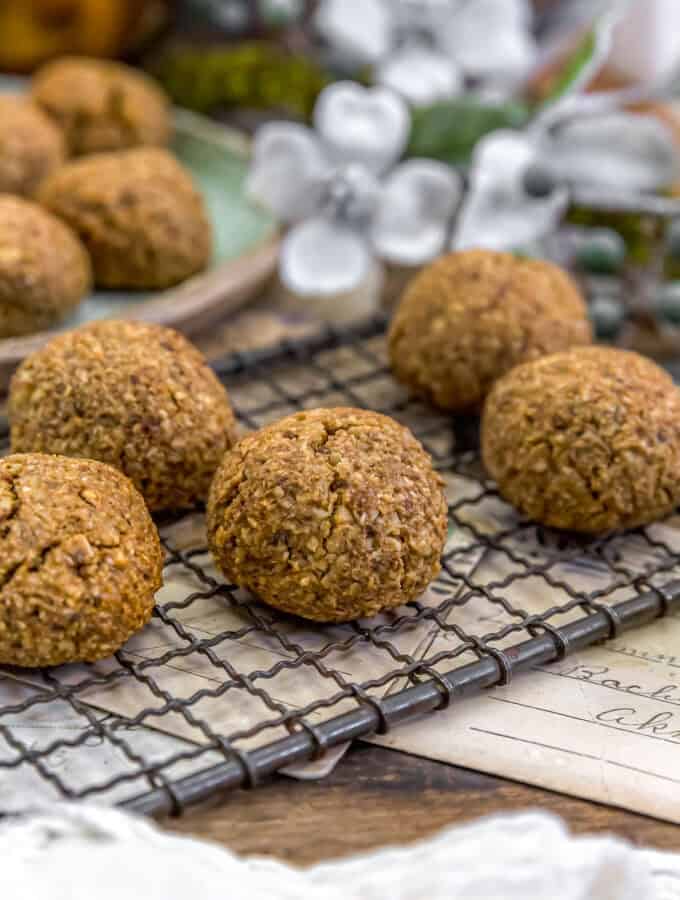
244,257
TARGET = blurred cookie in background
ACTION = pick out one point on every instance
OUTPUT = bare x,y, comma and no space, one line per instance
31,146
102,105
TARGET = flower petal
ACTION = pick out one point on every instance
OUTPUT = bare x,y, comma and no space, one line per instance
360,31
288,170
417,204
365,125
621,150
497,212
491,39
324,258
420,74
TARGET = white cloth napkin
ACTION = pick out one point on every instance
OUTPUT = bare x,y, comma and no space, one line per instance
69,852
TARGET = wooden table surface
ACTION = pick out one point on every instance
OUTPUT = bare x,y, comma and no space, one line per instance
376,797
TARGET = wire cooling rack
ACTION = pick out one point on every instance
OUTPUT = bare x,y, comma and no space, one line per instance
220,691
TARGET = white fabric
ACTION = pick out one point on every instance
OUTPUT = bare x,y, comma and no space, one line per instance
80,852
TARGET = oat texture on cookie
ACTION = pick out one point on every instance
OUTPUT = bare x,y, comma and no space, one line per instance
470,316
137,396
80,560
586,440
331,514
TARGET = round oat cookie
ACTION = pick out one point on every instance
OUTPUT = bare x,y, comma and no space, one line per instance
44,269
31,146
80,560
102,105
469,317
137,396
586,440
138,213
331,514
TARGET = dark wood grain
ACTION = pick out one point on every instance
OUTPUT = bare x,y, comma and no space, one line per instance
377,797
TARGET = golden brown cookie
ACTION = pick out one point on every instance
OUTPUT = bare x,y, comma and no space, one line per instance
44,269
469,317
331,514
80,560
31,146
102,105
139,397
137,212
587,440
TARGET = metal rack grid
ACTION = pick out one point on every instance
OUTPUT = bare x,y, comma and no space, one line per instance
511,597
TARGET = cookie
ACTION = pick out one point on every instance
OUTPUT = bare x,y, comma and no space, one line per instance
102,105
80,560
331,514
138,213
469,317
586,440
31,146
44,268
137,396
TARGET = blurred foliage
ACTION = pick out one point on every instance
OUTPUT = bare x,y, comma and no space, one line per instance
255,74
641,233
449,130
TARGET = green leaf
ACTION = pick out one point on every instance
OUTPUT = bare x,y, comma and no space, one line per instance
573,67
449,130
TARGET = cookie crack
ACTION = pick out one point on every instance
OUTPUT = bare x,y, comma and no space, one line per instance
337,496
9,574
5,523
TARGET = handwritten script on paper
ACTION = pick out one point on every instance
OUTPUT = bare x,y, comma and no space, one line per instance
603,724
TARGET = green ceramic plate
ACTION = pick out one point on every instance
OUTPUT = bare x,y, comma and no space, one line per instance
244,255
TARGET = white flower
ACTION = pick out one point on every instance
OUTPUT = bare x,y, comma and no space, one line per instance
345,196
581,141
620,152
425,49
498,212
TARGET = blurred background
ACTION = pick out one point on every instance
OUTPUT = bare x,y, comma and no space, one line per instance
263,45
499,66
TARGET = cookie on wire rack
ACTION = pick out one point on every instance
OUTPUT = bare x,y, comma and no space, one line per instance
137,396
331,514
80,560
469,317
586,440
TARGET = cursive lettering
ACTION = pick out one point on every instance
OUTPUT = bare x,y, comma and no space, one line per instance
602,676
663,724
